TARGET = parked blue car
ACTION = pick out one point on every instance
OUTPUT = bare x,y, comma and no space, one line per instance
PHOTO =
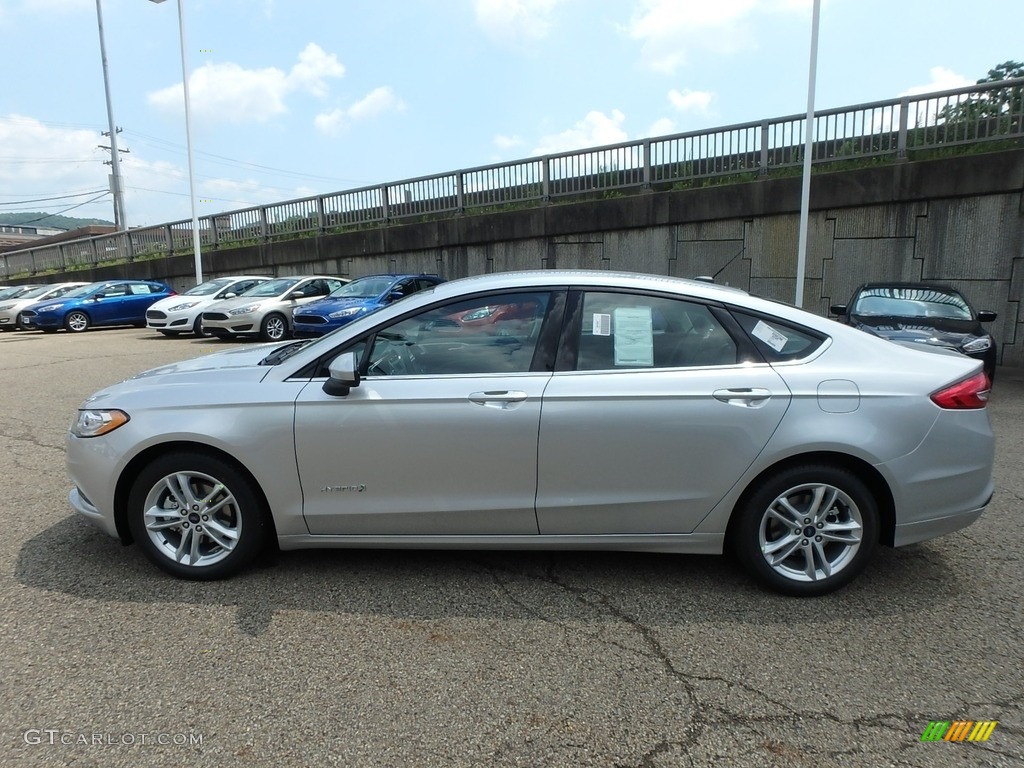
356,299
110,302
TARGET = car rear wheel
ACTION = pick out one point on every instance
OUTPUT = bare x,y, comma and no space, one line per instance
196,517
274,327
808,530
76,322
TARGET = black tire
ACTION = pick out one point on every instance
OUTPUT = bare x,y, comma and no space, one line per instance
76,321
218,544
274,327
197,327
819,541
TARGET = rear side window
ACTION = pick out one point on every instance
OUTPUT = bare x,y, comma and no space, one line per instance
624,330
777,340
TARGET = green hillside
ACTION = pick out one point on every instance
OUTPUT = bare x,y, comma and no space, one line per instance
42,219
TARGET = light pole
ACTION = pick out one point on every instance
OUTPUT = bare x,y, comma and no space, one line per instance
188,143
115,157
805,192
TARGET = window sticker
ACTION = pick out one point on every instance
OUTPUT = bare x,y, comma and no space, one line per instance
634,337
769,336
602,325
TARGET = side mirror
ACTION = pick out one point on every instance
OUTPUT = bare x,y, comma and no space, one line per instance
837,309
985,316
396,295
342,375
228,295
98,296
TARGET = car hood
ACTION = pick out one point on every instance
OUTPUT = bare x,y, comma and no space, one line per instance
243,357
941,332
241,301
326,306
180,298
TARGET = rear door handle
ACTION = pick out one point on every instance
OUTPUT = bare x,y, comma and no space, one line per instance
503,398
744,397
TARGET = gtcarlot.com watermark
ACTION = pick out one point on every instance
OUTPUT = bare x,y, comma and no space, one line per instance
58,737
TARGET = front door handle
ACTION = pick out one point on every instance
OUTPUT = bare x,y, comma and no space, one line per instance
503,398
744,397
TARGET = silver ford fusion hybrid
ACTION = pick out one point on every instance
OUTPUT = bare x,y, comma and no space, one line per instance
547,410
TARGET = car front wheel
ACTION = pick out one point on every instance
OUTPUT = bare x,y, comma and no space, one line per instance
196,517
76,322
274,328
808,530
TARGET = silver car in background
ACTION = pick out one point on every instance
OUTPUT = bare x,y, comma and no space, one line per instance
266,310
547,410
182,313
10,309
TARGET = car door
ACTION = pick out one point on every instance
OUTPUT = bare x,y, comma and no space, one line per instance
440,436
650,418
108,305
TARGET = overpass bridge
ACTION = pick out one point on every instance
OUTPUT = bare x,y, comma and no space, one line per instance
923,188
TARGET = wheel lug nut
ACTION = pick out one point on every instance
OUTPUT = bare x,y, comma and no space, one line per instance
195,507
185,524
803,543
821,525
199,528
807,521
205,518
817,538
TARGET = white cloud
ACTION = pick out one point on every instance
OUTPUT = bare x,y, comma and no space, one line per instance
662,127
690,101
942,80
229,93
594,130
512,22
507,142
670,32
44,158
377,102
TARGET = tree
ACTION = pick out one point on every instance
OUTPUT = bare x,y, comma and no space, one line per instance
994,112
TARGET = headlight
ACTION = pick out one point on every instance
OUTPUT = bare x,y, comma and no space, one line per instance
5,307
50,308
244,310
978,345
346,312
186,305
93,423
478,314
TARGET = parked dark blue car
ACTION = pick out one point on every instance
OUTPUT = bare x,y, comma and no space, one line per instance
356,299
110,302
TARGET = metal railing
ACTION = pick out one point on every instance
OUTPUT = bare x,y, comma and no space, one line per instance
935,121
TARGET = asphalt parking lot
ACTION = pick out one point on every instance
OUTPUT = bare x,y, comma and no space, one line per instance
359,658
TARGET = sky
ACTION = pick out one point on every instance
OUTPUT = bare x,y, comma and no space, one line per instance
294,98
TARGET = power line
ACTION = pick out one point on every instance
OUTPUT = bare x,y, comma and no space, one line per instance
60,197
61,213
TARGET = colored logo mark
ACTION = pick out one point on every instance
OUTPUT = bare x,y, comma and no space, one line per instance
959,730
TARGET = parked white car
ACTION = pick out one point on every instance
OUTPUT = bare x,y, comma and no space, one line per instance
266,309
10,309
183,313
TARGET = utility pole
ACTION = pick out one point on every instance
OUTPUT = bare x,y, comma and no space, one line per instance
115,160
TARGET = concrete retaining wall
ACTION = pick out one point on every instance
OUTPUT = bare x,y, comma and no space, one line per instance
958,220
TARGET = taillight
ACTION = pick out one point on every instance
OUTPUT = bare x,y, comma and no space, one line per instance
964,394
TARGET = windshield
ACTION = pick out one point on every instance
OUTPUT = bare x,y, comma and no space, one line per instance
15,291
893,301
82,290
38,291
363,288
272,287
209,287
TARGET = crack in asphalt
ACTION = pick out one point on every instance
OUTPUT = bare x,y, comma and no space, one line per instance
705,715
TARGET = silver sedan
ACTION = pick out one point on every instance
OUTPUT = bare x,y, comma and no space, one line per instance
572,410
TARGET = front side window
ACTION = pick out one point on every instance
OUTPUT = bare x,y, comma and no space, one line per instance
485,335
623,331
